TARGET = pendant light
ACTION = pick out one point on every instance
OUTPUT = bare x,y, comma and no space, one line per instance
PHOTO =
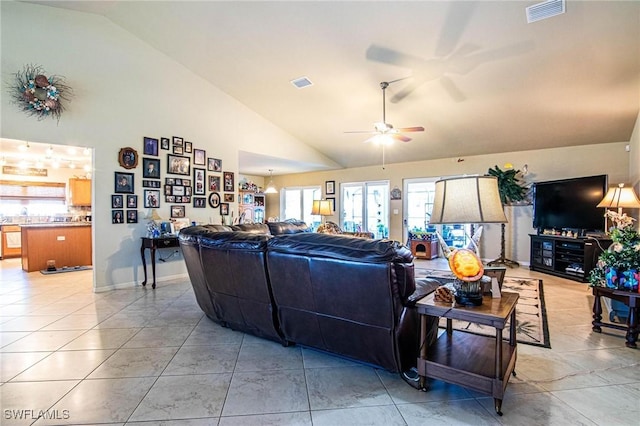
271,188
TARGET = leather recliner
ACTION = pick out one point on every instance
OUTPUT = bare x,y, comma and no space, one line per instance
348,296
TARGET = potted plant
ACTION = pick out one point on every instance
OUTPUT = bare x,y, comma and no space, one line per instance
511,191
618,267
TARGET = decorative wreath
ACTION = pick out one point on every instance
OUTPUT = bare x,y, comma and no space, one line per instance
38,94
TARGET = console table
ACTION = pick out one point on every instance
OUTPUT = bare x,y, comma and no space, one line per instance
153,244
481,363
632,300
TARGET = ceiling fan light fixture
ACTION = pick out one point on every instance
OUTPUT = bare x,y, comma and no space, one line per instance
382,127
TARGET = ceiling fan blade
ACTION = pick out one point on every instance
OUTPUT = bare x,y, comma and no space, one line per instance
465,64
458,17
411,129
406,91
371,139
452,89
400,138
393,57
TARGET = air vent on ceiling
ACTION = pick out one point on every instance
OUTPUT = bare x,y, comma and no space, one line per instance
301,82
545,10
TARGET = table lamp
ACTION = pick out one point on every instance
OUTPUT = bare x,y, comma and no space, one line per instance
321,208
619,197
467,199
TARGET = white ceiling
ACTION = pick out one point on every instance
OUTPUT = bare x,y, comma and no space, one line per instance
484,79
25,154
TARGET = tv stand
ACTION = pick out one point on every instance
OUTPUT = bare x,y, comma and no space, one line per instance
571,258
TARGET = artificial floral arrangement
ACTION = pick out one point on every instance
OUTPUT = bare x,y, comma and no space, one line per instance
38,94
619,265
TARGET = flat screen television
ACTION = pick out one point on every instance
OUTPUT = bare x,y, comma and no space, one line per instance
569,204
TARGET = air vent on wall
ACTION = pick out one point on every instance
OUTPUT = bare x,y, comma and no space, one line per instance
301,82
545,10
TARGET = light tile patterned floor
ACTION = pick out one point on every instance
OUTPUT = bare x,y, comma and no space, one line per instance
145,357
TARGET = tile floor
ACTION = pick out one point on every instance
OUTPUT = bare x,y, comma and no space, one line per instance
145,357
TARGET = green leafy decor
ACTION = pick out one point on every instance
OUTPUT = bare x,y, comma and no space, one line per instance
510,186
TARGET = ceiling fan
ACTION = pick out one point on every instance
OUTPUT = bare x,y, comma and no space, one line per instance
449,59
384,133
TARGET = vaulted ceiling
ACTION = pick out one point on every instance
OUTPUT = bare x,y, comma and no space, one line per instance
475,75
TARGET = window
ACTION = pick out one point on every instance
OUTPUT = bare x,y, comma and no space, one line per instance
296,203
365,207
418,205
32,198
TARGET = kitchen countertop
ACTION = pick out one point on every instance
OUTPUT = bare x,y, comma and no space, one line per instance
53,224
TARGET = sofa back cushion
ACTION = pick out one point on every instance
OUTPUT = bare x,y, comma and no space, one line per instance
287,227
233,265
190,245
341,294
254,228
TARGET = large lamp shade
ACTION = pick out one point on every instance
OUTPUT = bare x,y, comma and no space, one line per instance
467,199
619,197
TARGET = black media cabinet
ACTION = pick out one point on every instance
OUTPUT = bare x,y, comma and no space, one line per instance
566,257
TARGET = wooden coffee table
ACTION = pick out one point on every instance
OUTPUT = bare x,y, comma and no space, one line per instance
481,363
632,300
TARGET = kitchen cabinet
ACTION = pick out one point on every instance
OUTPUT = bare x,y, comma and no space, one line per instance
79,192
65,244
11,242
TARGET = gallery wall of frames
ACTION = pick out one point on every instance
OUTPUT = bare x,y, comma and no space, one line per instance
190,178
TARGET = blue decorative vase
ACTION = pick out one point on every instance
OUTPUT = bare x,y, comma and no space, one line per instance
628,280
611,277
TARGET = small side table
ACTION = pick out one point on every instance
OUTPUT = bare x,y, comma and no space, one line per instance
481,363
632,300
153,244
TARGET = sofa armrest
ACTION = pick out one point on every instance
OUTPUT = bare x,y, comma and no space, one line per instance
424,286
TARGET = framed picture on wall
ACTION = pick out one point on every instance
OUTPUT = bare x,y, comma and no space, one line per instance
332,200
224,209
117,216
330,187
199,157
128,158
199,179
150,146
178,165
151,198
132,216
123,183
228,181
150,167
164,143
116,201
132,201
214,164
177,211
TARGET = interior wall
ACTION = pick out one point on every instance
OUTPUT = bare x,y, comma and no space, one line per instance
634,162
124,90
545,164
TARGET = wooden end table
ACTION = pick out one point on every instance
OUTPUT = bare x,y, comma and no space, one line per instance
631,299
154,244
481,363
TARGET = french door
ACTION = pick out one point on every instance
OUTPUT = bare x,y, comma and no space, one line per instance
365,207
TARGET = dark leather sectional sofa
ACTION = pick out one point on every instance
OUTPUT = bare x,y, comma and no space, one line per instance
349,296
